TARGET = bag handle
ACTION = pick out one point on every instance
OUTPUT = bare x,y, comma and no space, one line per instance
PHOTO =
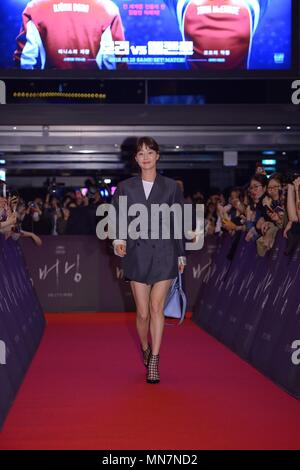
183,298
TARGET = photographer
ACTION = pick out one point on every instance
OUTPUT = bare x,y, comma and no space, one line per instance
37,220
81,215
52,211
62,221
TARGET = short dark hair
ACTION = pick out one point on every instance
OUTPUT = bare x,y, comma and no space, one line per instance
148,142
262,179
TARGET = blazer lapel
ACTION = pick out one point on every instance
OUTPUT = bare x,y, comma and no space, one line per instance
154,190
139,194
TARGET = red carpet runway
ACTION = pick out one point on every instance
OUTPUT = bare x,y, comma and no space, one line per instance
86,389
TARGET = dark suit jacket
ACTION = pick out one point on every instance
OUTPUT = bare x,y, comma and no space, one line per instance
150,260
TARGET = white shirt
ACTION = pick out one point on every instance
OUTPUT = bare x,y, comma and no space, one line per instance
147,187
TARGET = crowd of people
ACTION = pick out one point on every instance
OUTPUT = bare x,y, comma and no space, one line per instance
73,214
261,209
9,225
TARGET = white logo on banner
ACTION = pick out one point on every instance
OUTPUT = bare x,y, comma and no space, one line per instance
2,353
197,271
43,272
2,92
296,354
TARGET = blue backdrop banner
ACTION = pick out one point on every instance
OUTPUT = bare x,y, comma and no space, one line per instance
21,322
252,305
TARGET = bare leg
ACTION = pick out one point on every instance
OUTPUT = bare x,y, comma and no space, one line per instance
141,294
157,300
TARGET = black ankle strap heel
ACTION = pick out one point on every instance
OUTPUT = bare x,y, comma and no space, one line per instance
153,374
146,355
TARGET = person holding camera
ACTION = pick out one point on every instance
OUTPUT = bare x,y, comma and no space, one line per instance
37,219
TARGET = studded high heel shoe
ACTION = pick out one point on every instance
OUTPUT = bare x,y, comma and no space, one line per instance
153,374
146,355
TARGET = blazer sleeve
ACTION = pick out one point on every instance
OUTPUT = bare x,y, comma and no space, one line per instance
116,239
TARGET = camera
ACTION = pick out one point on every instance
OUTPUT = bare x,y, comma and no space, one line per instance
32,206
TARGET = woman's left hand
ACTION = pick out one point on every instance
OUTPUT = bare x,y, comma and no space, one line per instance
181,268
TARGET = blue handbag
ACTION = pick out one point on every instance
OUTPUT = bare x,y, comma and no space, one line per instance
175,304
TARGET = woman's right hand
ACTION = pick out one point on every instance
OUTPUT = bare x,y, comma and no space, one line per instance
120,249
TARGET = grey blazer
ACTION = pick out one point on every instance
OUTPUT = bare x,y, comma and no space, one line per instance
150,260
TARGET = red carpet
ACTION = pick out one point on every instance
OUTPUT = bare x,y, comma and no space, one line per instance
86,390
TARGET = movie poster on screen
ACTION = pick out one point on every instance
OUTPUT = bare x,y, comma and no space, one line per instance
195,35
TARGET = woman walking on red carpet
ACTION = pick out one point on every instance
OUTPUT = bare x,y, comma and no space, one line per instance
150,262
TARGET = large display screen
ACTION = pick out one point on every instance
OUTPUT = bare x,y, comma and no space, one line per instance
203,35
